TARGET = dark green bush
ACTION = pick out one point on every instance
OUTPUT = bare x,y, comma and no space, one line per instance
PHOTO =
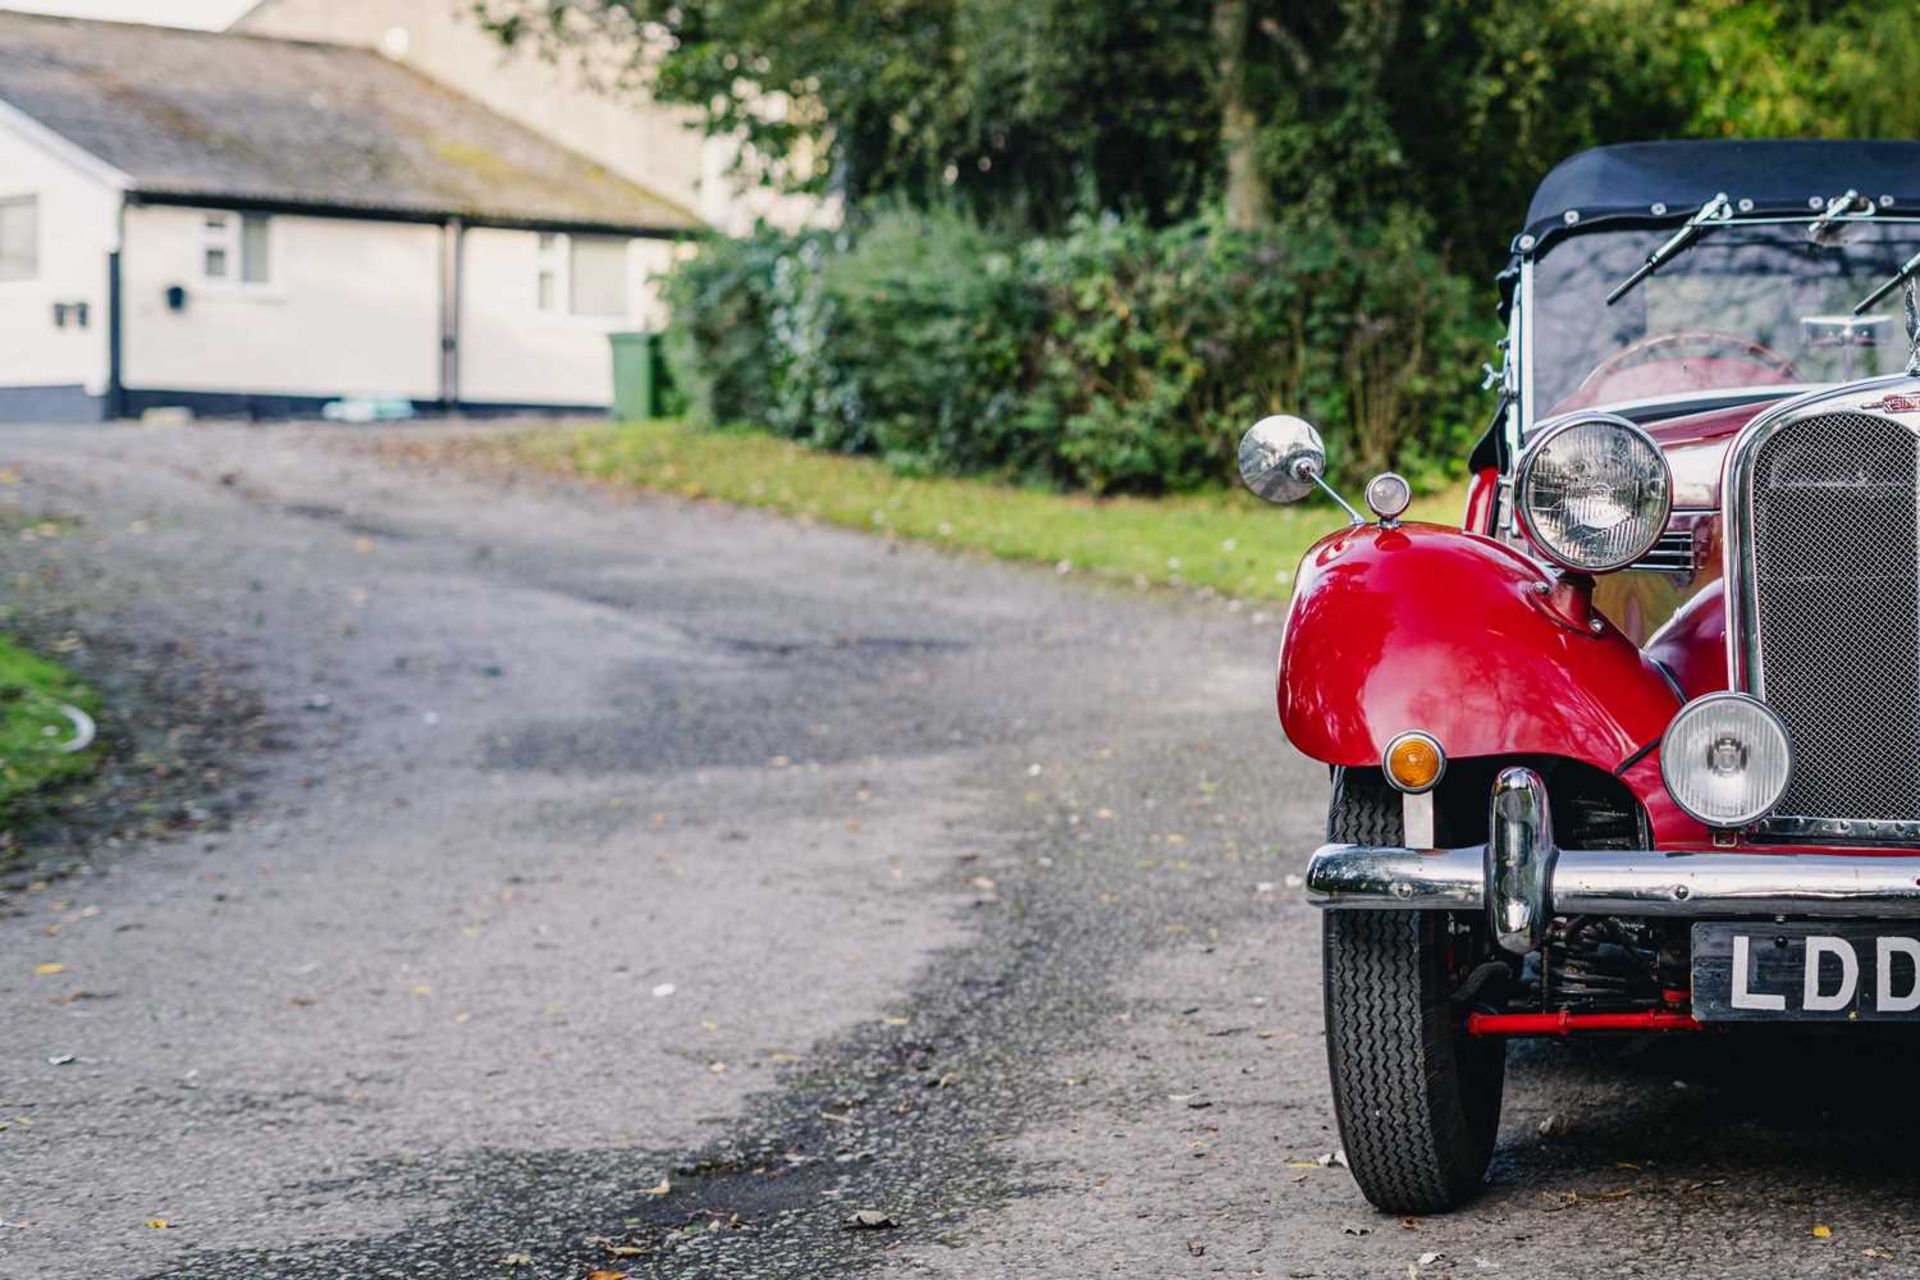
927,326
1115,358
1161,346
719,348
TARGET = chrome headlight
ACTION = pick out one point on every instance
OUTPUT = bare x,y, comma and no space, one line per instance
1726,759
1594,493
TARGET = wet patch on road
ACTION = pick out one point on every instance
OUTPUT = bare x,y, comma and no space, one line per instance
909,1119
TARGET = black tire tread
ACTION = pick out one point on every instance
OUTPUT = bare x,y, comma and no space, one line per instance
1418,1102
1365,810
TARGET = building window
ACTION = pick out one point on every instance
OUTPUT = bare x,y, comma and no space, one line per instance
20,238
597,276
547,291
233,248
581,275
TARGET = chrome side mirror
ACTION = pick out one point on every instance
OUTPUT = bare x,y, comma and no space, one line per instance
1281,458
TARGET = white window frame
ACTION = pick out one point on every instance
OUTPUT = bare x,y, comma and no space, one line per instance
225,230
32,200
551,283
553,266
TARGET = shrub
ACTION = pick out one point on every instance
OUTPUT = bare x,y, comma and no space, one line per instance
1163,346
1114,358
718,349
927,325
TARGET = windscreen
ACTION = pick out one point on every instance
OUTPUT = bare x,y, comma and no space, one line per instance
1746,307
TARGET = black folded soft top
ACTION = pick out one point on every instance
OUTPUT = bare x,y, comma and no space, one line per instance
1657,182
1661,184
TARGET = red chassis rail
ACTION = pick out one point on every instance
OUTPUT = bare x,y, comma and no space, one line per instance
1564,1023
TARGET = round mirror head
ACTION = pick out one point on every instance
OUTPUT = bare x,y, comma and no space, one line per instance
1281,457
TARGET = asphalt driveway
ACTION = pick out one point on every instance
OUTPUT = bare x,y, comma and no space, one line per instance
644,887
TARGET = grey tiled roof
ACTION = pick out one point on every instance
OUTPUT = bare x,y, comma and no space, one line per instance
191,113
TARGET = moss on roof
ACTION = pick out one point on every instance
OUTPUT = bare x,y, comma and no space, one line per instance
220,115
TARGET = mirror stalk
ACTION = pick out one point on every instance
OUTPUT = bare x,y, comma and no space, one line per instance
1333,493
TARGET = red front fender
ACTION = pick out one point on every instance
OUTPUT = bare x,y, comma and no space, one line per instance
1425,627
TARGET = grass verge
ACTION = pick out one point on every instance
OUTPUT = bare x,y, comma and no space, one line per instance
33,727
1226,540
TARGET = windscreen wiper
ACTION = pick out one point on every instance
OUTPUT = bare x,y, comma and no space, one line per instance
1715,211
1898,278
1850,203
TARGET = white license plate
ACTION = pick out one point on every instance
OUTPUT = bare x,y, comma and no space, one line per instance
1820,972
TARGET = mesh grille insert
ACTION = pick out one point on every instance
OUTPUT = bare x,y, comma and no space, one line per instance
1837,606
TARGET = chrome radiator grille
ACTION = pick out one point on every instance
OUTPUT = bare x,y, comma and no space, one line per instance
1835,581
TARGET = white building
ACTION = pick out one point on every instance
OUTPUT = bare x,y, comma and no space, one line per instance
242,224
578,100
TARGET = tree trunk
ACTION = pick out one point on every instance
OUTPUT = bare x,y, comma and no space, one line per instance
1249,202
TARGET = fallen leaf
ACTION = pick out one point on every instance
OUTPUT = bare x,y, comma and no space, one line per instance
625,1250
870,1220
49,969
1873,1252
422,989
659,1188
159,1224
1823,1233
606,1275
517,1260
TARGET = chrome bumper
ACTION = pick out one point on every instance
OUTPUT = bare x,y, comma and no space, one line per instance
1521,880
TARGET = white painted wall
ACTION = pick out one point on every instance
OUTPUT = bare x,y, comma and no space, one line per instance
77,228
351,308
513,353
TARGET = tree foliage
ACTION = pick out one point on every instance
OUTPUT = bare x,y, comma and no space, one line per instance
1024,113
1089,239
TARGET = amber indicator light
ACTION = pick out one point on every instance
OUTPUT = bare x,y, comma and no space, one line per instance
1414,762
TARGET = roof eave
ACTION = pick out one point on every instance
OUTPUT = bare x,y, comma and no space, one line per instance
393,213
61,147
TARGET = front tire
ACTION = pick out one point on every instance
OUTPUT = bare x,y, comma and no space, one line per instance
1418,1098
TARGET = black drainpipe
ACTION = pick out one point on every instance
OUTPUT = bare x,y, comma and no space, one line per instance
116,406
453,265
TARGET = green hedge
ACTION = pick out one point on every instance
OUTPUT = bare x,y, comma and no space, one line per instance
1114,358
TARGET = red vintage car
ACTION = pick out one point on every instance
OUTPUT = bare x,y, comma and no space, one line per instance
1636,748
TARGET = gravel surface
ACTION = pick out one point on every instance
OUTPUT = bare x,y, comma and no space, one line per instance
643,887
